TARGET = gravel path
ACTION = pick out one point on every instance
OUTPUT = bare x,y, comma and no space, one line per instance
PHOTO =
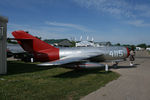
134,83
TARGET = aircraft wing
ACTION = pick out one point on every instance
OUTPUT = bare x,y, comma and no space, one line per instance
70,59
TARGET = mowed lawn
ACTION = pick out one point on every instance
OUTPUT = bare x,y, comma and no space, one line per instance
26,81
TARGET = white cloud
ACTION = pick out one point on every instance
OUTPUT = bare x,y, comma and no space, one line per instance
49,29
11,25
42,31
116,7
129,9
133,12
143,10
138,23
78,27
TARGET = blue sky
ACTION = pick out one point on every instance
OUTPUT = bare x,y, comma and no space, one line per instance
123,21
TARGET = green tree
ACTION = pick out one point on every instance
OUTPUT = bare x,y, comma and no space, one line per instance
148,46
118,44
73,43
143,45
132,47
38,37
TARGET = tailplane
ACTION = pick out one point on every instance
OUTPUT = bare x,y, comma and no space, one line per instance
30,43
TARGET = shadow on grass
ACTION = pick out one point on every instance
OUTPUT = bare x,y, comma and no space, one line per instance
18,67
80,72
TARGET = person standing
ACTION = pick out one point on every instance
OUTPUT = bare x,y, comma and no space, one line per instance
131,57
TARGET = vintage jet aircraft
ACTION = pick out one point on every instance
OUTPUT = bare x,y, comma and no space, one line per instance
76,57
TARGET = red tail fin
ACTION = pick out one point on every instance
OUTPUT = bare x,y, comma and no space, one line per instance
41,50
30,43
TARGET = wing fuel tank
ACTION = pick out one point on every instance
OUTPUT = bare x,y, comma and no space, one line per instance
91,65
86,65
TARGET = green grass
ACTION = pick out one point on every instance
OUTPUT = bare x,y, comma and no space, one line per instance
26,81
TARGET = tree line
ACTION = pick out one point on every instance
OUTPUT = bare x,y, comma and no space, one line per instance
142,45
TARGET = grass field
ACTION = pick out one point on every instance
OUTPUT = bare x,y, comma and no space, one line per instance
26,81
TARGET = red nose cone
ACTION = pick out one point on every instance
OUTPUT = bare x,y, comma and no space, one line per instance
128,52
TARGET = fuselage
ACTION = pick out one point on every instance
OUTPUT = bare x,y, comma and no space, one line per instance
107,52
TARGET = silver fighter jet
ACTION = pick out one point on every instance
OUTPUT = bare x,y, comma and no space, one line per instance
75,57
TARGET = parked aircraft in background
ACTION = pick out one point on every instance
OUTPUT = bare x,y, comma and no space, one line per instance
15,48
76,57
16,51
